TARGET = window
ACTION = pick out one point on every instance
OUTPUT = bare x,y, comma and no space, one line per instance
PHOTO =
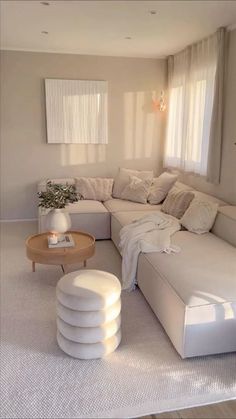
191,92
76,111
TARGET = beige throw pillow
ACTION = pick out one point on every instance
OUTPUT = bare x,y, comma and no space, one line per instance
200,216
98,189
137,190
160,187
122,179
177,202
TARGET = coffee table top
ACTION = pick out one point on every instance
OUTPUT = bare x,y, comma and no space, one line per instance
38,250
39,243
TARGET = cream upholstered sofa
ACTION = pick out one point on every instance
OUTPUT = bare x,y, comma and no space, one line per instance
193,293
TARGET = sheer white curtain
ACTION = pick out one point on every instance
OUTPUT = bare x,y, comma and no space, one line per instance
191,94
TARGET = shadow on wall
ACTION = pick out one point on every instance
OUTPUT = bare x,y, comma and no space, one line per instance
140,127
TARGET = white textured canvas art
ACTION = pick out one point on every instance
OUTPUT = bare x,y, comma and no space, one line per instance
76,111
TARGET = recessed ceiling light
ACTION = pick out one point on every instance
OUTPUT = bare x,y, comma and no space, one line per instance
128,37
45,3
152,12
44,32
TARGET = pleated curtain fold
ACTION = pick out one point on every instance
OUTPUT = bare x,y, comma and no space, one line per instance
194,124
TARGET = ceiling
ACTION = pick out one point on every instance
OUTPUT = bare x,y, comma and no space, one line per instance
101,27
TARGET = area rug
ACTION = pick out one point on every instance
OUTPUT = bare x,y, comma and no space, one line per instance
144,375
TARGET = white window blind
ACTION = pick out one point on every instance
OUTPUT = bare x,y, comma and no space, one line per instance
191,93
76,111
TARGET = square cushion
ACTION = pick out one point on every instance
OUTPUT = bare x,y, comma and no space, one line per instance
137,190
98,189
161,186
200,216
177,202
123,178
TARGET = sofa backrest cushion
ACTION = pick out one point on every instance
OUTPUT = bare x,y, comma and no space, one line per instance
122,179
205,197
183,186
225,224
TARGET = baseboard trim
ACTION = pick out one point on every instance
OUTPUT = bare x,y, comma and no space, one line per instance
17,220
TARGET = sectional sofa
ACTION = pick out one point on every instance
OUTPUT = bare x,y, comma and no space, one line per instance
193,293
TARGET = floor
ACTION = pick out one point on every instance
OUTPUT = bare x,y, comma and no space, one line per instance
224,410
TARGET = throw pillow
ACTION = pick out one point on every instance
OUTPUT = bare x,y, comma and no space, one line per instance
177,202
160,187
123,178
98,189
137,190
200,216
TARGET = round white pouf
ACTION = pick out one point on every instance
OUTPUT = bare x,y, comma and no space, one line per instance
88,313
88,318
88,334
89,350
88,290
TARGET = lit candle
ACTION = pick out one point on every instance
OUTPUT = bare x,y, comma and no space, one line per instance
53,239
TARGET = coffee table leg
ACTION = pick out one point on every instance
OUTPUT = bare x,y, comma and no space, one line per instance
33,266
64,268
85,263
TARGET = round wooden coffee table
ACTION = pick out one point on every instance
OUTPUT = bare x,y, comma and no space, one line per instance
37,250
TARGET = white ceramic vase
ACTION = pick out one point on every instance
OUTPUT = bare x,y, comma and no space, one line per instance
58,221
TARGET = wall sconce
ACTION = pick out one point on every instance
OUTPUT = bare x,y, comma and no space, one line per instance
159,105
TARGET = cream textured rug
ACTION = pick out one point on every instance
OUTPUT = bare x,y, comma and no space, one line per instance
145,375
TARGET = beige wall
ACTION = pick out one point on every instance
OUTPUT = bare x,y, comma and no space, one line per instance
227,187
135,132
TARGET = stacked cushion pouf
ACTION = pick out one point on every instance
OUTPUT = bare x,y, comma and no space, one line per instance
88,313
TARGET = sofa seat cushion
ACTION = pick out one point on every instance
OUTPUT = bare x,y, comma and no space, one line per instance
204,272
193,293
115,205
225,224
120,219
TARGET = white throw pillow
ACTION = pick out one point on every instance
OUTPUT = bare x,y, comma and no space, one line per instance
200,216
123,178
177,202
160,187
137,190
98,189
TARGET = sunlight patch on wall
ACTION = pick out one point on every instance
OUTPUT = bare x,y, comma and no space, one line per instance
73,154
139,125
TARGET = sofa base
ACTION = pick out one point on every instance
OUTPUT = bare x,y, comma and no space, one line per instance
194,331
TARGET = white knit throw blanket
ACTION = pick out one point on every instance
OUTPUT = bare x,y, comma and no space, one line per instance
151,233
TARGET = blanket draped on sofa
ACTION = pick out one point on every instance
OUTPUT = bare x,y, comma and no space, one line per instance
151,233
